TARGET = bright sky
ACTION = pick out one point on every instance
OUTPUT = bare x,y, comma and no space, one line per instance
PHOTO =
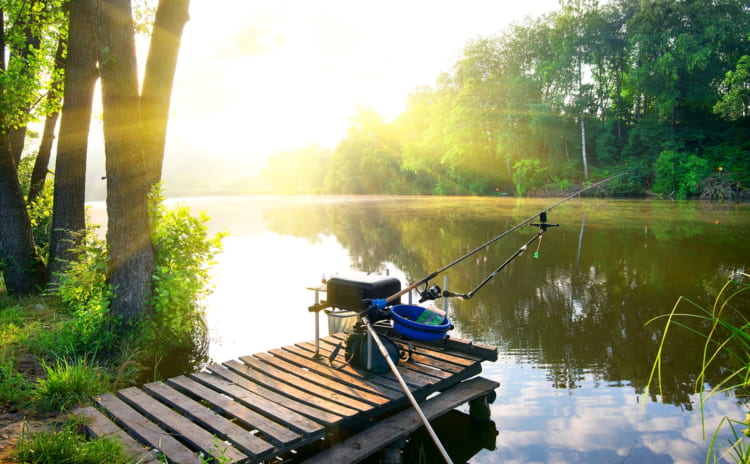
255,77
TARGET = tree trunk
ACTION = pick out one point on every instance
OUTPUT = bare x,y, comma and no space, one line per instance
23,273
69,215
583,150
130,252
41,165
170,20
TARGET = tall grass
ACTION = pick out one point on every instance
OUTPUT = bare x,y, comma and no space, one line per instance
725,331
68,384
68,446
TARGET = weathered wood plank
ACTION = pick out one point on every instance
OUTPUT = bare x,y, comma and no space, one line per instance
182,426
100,425
303,380
296,388
303,352
359,394
275,432
411,374
277,412
147,431
374,438
347,374
214,423
423,348
312,412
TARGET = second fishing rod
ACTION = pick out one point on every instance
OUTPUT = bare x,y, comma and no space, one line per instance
430,293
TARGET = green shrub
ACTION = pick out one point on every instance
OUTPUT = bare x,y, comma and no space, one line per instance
184,254
679,174
529,175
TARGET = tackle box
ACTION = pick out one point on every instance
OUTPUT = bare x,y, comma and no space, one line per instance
347,292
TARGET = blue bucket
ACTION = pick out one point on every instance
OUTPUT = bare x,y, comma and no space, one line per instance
404,317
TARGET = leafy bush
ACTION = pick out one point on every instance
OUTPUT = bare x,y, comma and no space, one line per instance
83,289
184,254
679,174
529,175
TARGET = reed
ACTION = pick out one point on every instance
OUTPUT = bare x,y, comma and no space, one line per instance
725,331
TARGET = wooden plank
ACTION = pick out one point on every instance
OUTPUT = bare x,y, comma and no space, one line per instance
147,431
383,386
319,415
359,394
209,420
182,426
425,349
410,374
347,375
275,432
305,380
419,370
374,438
99,425
277,412
295,387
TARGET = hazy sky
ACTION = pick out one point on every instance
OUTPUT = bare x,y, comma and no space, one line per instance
255,77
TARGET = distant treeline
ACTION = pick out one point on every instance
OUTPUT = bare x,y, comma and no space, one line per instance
659,88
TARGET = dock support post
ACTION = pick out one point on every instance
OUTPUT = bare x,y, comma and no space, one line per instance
479,408
391,454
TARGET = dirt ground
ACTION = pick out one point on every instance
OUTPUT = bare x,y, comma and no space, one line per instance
14,421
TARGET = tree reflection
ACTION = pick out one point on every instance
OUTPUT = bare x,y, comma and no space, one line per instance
580,308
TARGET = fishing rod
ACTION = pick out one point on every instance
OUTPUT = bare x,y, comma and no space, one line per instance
434,292
542,224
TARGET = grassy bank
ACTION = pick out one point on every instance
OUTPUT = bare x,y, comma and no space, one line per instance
43,378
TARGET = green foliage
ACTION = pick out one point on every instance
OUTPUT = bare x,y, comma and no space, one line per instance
83,289
184,254
725,332
68,446
678,174
14,389
529,175
68,384
735,102
40,210
647,77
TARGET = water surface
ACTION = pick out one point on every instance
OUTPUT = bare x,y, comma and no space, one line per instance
570,324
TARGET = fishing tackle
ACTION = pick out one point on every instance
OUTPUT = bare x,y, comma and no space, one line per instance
542,225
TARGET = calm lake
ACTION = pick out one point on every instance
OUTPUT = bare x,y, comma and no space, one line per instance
570,324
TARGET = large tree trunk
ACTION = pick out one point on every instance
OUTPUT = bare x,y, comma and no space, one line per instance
170,20
22,272
130,252
69,215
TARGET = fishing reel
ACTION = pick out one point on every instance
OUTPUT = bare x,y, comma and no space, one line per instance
430,293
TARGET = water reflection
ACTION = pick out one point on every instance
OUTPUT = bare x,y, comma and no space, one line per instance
569,323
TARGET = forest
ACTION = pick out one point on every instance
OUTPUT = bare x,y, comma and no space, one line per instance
659,89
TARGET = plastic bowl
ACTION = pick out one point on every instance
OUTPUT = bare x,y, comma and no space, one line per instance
404,317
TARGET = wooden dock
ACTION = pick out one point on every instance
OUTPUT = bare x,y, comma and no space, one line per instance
291,405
